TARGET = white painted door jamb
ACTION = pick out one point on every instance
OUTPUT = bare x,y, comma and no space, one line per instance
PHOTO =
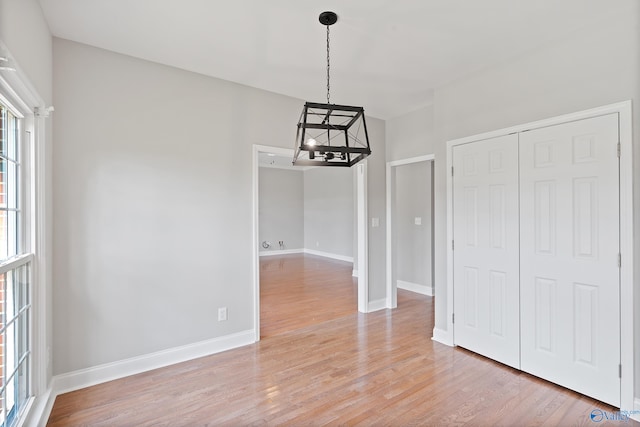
392,288
363,241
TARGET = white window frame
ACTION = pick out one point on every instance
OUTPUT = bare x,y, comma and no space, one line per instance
20,256
21,95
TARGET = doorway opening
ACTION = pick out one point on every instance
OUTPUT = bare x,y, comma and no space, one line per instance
410,227
324,241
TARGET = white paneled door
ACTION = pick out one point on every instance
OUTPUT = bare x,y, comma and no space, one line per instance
569,245
485,217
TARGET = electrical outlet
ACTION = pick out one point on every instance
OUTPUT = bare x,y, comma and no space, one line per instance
222,314
417,220
375,222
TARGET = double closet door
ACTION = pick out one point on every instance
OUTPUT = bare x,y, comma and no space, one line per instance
536,246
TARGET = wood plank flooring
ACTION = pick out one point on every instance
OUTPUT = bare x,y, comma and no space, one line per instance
380,368
302,290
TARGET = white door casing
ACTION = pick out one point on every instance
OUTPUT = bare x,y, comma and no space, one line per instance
569,240
485,239
363,240
392,288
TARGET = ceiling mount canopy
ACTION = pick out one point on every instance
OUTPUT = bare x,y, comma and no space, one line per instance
328,18
330,134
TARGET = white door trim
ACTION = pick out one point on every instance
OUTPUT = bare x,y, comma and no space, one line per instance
626,250
361,192
392,288
363,236
624,110
255,246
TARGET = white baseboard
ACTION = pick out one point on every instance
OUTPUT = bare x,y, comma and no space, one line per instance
636,409
281,252
376,305
414,287
136,365
328,255
442,336
43,404
307,251
112,371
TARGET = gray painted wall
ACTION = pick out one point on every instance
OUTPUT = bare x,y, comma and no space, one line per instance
411,135
281,210
328,210
376,191
310,209
153,203
413,242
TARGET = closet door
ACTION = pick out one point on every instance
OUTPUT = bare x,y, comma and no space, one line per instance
570,284
485,230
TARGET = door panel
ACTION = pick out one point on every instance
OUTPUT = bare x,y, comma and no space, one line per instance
485,218
569,275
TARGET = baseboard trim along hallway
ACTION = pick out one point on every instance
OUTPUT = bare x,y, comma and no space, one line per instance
83,378
415,287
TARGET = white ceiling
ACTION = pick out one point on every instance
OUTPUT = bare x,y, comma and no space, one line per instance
386,55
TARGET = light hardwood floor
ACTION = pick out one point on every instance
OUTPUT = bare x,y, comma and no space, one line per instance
303,290
380,368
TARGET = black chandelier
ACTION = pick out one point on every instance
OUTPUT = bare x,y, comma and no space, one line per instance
330,134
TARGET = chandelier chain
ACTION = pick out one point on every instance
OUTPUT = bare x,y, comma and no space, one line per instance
328,67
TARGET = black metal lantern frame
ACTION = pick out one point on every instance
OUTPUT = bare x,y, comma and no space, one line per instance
330,134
